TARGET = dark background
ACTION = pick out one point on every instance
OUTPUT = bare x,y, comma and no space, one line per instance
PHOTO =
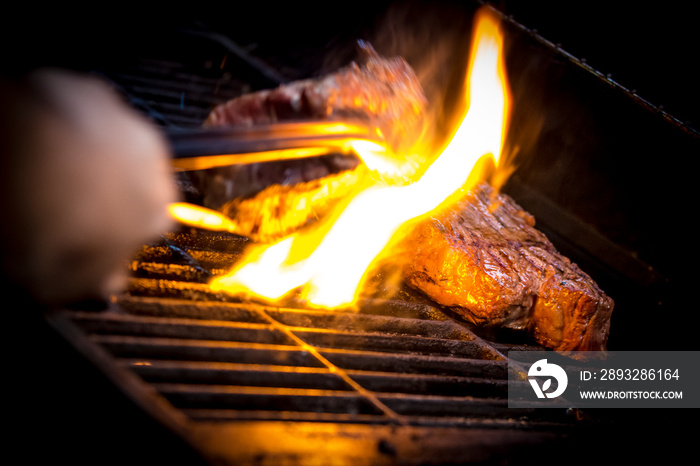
651,47
647,46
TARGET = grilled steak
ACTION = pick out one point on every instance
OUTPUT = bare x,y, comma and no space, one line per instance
383,91
485,259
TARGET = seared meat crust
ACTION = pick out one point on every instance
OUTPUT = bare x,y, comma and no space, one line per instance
485,259
383,91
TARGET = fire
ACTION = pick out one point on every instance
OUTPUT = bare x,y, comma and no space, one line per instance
200,217
328,264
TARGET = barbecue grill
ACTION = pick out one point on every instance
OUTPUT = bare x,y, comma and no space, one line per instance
179,372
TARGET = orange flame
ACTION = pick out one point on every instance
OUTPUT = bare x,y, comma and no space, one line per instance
200,217
328,264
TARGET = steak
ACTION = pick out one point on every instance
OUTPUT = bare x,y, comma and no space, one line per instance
384,92
485,259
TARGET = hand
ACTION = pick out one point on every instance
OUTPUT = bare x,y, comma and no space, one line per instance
85,182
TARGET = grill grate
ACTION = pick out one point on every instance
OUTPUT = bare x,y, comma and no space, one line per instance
208,360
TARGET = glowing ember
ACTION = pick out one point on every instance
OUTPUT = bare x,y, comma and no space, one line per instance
326,264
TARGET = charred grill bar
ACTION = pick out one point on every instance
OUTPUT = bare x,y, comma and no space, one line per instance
402,381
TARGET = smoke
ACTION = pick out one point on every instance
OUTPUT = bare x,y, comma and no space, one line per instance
433,37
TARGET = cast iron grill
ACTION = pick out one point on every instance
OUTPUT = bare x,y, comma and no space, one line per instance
206,358
385,362
205,362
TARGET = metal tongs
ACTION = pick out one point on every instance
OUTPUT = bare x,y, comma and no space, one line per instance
216,147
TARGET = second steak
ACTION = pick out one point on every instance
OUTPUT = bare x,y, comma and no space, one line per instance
485,259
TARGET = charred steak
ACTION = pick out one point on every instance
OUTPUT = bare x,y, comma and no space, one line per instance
485,259
385,92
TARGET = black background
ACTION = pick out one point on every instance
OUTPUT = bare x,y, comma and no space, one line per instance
651,47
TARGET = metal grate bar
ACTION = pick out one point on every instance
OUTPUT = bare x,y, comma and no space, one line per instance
257,375
265,398
181,328
415,364
204,350
389,343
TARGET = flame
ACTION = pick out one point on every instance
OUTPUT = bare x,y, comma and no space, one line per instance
327,265
200,217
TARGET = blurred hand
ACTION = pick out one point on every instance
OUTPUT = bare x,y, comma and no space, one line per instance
85,182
